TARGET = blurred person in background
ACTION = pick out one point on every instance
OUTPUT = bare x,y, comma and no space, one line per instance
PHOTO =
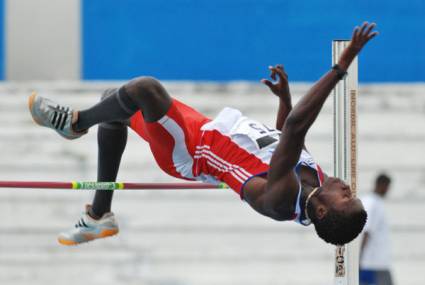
375,247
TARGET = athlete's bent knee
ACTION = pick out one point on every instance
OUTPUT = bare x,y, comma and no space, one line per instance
150,96
146,88
143,86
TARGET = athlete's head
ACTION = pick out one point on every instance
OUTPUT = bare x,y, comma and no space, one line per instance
337,216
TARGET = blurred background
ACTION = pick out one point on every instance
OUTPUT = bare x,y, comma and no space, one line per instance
209,54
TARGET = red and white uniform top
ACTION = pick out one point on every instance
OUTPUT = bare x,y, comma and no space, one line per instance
233,149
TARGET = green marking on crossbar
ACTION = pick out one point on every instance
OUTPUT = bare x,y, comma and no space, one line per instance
97,185
222,186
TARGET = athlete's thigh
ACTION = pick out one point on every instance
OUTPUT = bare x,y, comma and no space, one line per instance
173,137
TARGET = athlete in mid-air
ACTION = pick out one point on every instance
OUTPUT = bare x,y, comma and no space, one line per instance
270,168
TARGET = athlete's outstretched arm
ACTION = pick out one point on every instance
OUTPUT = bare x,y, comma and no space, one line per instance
308,108
281,90
277,199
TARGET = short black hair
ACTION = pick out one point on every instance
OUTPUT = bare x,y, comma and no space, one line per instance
382,179
338,227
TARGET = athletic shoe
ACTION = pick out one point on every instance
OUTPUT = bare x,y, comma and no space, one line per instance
88,229
52,115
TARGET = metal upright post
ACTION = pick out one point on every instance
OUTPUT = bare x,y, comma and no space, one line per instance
345,158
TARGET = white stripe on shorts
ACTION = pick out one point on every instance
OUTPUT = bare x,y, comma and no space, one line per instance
183,161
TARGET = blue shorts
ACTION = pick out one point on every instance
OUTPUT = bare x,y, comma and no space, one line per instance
375,277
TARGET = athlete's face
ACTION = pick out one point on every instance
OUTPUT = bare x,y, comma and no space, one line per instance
337,194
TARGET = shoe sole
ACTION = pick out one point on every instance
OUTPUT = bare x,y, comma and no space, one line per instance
31,100
89,237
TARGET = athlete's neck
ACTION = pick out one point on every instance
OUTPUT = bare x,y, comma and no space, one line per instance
306,190
309,177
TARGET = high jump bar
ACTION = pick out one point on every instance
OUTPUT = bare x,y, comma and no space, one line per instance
80,185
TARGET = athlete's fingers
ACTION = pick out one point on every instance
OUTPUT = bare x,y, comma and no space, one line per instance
280,66
281,74
369,29
272,72
372,35
363,28
267,82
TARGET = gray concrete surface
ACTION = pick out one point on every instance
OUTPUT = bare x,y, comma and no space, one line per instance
196,237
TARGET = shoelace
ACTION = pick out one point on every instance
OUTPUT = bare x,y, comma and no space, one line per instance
60,115
81,224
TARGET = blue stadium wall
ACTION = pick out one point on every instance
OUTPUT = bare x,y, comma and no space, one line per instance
237,39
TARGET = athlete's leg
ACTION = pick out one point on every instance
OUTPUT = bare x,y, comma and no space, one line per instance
143,93
154,101
111,139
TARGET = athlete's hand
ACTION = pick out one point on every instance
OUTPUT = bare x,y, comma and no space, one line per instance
361,36
280,86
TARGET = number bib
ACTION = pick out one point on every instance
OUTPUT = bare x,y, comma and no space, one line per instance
260,134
